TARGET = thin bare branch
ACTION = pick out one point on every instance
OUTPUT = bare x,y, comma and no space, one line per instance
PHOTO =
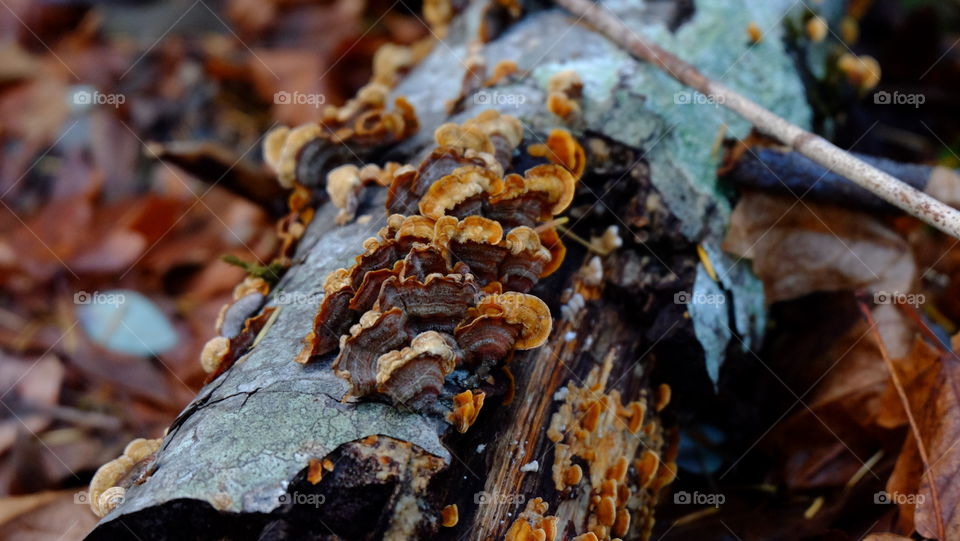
818,149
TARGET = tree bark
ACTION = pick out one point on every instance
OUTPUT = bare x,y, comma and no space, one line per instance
236,463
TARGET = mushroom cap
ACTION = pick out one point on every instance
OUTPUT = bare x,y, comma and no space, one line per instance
528,311
439,302
429,343
273,146
102,499
376,333
366,294
563,149
406,111
550,240
526,239
413,376
416,228
402,185
463,137
337,280
466,408
213,353
341,183
554,180
566,82
561,105
524,265
491,122
423,260
470,229
389,60
452,189
295,140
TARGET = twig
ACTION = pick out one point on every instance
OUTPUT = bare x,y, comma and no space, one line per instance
921,447
810,145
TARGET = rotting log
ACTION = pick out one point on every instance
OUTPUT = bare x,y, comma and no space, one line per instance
268,449
235,463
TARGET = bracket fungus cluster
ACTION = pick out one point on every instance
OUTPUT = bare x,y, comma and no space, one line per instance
446,283
533,523
110,483
296,154
594,428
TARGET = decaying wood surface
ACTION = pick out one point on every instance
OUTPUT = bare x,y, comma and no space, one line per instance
268,450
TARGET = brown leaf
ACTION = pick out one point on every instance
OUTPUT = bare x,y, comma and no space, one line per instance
45,516
798,248
841,419
885,537
27,383
934,396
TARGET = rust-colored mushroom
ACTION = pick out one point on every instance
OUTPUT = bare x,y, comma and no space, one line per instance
527,311
527,258
413,376
561,148
455,188
466,409
376,333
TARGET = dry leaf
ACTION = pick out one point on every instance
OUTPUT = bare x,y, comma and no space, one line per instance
45,516
798,248
933,391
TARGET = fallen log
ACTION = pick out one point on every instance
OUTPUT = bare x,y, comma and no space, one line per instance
570,437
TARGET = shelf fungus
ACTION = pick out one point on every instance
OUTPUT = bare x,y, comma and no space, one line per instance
414,375
533,523
487,141
221,352
292,226
450,516
466,409
300,154
564,90
606,437
110,482
377,333
563,149
344,187
444,286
